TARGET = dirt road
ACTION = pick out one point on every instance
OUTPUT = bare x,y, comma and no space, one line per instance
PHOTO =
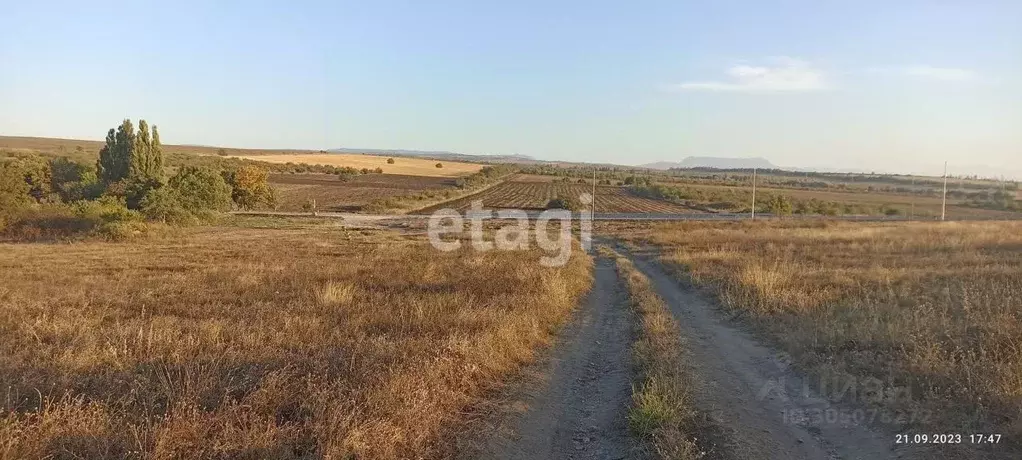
580,411
762,407
753,405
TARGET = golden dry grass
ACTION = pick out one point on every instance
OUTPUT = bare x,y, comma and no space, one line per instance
263,343
929,308
662,411
402,165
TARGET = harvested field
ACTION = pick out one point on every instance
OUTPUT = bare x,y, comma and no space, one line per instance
534,195
309,342
929,313
402,165
333,194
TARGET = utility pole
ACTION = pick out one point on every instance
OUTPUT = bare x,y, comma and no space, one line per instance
753,193
594,192
1004,194
912,208
943,201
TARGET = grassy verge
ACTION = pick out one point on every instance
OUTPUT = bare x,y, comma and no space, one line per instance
236,342
661,412
930,313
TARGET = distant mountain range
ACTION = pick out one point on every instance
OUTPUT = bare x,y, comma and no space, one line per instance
713,162
438,155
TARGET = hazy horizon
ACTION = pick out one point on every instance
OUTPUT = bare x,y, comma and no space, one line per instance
865,86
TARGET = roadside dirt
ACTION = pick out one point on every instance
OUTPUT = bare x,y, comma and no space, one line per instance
760,407
580,410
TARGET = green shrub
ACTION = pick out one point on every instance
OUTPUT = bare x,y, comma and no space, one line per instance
890,210
14,193
74,181
163,205
637,180
104,217
779,205
136,190
106,209
37,174
120,231
570,203
49,222
201,189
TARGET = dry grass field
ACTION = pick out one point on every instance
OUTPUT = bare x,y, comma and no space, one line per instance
306,341
932,310
534,195
52,145
332,194
402,165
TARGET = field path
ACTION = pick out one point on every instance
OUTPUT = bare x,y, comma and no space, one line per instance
745,389
580,411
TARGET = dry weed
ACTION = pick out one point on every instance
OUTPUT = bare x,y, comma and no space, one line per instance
933,310
268,343
661,411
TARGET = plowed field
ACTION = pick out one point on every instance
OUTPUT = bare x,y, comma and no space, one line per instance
535,195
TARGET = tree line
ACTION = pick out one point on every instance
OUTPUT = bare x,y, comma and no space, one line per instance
125,188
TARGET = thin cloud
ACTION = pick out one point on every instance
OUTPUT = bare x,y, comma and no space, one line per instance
928,72
941,73
787,75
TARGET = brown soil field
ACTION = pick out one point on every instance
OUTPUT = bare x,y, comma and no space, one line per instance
333,194
534,195
402,165
542,178
308,341
929,313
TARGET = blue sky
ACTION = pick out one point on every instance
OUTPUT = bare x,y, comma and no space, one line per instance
886,85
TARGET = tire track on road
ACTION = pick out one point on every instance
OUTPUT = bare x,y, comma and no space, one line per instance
749,392
581,411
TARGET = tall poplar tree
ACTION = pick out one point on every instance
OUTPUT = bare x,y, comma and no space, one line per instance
140,167
131,155
156,152
115,158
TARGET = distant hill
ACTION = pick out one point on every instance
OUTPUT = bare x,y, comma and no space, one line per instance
439,155
713,162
